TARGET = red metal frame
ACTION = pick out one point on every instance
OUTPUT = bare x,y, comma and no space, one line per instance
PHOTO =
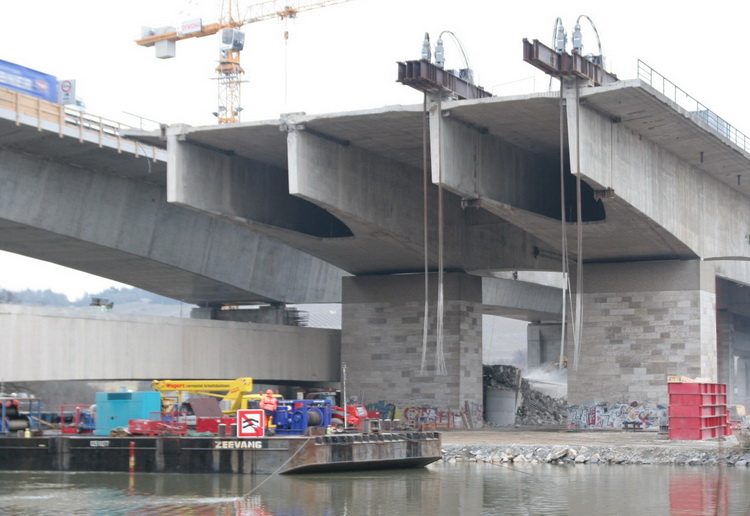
698,411
168,423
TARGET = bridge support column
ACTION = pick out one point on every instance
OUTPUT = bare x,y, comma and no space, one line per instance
543,344
725,346
642,322
381,339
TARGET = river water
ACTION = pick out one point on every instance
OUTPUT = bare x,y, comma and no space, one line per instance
438,490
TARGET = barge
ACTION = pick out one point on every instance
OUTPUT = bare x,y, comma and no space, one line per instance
149,432
261,456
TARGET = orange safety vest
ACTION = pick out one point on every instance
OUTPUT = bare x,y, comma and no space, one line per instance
269,403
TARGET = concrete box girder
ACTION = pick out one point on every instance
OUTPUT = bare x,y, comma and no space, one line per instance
124,230
530,123
686,134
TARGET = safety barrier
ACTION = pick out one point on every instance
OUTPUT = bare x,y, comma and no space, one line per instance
697,110
70,121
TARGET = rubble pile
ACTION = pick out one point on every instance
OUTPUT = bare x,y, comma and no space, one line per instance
501,377
534,407
539,409
561,454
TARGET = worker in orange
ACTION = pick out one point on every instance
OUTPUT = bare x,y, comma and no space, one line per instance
269,404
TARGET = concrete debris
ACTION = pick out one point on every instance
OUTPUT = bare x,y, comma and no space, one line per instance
533,407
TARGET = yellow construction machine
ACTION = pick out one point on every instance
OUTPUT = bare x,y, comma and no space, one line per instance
238,392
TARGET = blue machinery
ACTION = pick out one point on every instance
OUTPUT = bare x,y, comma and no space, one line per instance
19,414
294,417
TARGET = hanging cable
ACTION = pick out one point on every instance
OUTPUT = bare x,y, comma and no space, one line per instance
459,45
425,182
286,66
564,234
596,32
278,470
439,356
579,236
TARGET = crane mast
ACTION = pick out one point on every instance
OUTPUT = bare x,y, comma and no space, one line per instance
229,71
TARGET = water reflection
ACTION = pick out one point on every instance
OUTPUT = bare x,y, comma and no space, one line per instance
440,490
699,491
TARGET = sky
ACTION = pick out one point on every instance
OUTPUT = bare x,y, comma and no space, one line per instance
343,57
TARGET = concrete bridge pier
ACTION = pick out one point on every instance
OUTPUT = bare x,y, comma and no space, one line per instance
733,333
381,336
643,321
543,344
725,335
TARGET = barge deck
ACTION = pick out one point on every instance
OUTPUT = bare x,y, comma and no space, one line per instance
262,456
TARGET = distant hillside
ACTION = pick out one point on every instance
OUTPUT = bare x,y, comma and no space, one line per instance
125,300
139,301
121,296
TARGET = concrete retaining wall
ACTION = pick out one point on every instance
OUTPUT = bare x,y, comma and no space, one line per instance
41,344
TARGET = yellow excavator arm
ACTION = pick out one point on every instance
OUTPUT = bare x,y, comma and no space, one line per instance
231,390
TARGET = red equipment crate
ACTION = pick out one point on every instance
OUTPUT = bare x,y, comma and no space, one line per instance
697,388
697,410
697,399
697,422
696,434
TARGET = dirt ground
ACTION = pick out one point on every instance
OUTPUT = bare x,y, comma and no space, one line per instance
559,435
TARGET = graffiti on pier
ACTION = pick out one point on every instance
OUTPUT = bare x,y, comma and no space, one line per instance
601,415
417,415
432,416
476,412
387,410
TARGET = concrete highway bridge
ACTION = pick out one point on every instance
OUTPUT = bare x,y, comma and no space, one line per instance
332,208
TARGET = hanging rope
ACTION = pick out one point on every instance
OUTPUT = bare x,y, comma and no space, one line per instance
286,65
564,235
278,470
439,355
425,182
577,329
440,367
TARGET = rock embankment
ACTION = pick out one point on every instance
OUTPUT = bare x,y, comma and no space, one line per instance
727,454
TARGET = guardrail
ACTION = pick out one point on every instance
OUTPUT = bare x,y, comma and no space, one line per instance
84,124
698,110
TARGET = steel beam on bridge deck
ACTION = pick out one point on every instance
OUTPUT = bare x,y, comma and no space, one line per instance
563,65
429,78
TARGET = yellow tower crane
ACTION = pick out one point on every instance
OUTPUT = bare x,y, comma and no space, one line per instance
229,72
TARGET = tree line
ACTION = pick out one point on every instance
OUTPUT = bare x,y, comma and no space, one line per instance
49,298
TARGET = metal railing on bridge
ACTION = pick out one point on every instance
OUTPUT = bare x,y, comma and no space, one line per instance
697,110
82,124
